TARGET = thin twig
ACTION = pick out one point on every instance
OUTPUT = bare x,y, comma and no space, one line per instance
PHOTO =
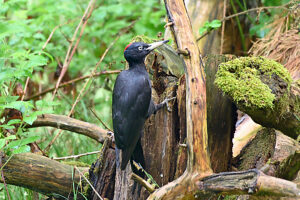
81,92
90,78
71,82
76,156
245,12
44,46
94,113
81,174
87,13
223,27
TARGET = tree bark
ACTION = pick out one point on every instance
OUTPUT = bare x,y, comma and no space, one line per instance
273,152
41,174
251,182
198,164
103,172
221,117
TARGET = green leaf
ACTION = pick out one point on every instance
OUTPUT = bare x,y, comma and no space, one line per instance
32,117
202,30
2,143
22,149
14,121
11,137
7,126
7,99
22,142
215,23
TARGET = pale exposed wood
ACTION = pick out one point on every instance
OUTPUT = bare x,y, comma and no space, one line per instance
245,132
198,158
40,174
71,124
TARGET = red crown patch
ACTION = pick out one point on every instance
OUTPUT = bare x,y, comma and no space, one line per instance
127,46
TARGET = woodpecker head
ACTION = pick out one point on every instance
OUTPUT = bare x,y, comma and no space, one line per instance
137,51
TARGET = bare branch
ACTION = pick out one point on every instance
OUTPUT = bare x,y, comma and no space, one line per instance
77,156
87,13
71,124
72,81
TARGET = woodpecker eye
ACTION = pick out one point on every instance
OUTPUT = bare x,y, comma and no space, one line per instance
140,48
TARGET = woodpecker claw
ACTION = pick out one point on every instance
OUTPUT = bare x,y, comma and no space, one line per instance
166,102
169,24
111,136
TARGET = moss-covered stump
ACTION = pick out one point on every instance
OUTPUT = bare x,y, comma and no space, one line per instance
263,89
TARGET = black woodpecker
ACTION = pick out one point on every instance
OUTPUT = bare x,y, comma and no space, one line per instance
132,103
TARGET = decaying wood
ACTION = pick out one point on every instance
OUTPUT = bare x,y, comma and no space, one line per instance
251,182
272,152
198,158
102,173
198,164
41,174
159,140
221,117
71,124
181,104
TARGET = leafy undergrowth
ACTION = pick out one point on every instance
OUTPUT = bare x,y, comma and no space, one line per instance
24,29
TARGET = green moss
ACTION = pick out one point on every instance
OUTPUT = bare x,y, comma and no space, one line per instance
142,38
241,79
86,186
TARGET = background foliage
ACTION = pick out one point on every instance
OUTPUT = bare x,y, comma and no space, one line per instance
25,26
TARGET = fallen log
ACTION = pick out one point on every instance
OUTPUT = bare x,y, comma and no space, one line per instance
41,174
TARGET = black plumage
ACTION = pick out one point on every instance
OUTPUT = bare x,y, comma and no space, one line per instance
132,103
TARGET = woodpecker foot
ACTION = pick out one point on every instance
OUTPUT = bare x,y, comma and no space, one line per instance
111,136
184,52
166,102
169,24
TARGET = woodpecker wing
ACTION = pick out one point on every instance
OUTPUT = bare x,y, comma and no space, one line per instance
131,100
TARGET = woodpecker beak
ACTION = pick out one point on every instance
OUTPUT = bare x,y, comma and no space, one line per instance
156,44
